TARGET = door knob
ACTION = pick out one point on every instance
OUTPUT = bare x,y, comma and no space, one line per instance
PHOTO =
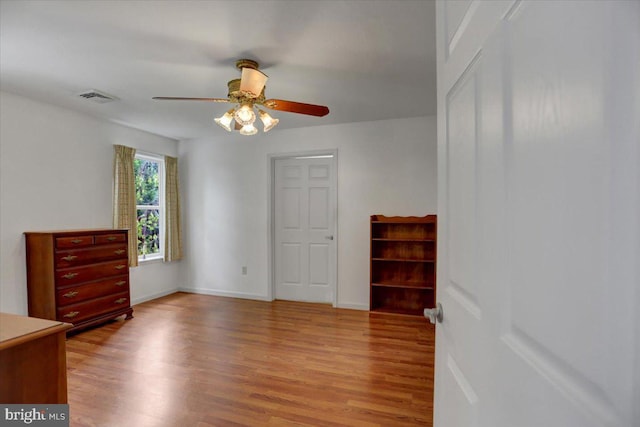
434,314
328,237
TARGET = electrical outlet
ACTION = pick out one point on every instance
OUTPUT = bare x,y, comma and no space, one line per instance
244,270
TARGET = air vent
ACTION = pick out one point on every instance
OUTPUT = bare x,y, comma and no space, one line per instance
97,96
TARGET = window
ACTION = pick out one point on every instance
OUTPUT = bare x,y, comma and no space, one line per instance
149,175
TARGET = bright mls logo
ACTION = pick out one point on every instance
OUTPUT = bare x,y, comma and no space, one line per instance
37,415
28,416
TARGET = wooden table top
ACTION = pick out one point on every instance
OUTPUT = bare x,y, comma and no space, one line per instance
16,329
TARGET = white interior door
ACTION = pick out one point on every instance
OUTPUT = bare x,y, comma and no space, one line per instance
539,211
304,219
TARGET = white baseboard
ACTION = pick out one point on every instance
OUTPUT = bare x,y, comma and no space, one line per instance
363,307
146,298
230,294
233,294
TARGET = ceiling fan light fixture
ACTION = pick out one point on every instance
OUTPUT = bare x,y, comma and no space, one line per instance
245,115
268,121
246,93
248,130
225,121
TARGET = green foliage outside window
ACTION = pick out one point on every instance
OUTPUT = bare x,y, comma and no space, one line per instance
147,182
147,199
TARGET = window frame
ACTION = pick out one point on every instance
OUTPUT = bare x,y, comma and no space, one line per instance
159,159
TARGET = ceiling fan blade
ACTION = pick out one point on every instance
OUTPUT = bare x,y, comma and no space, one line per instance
172,98
297,107
252,81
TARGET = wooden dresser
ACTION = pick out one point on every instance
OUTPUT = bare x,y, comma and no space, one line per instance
33,360
79,276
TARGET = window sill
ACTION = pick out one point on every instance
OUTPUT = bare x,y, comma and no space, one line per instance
150,260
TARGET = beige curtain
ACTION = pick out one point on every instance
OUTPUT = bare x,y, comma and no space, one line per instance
124,198
173,229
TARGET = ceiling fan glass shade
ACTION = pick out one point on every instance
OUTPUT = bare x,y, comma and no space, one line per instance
249,129
252,81
268,121
225,121
245,115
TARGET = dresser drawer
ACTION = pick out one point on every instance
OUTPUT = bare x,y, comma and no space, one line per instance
110,238
75,275
76,312
73,257
76,294
73,242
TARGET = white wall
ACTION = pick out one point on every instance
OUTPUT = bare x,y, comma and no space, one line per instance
56,168
384,167
56,173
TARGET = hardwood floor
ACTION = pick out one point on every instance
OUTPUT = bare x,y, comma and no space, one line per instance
196,360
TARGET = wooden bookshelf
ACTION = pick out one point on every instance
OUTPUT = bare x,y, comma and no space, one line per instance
403,264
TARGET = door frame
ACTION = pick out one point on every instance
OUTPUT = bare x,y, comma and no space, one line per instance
271,181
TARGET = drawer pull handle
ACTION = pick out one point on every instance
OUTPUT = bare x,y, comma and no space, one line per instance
119,251
120,300
69,257
120,283
71,315
76,241
70,275
71,294
120,267
112,238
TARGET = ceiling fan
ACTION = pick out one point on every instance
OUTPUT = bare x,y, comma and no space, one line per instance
248,92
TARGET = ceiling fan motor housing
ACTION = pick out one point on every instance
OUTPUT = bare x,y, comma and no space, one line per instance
240,97
246,63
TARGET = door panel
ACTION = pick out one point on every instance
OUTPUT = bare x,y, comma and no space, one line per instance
319,208
460,293
539,214
290,265
291,208
455,11
304,217
461,113
319,267
559,127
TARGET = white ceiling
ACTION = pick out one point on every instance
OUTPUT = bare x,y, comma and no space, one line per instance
364,59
